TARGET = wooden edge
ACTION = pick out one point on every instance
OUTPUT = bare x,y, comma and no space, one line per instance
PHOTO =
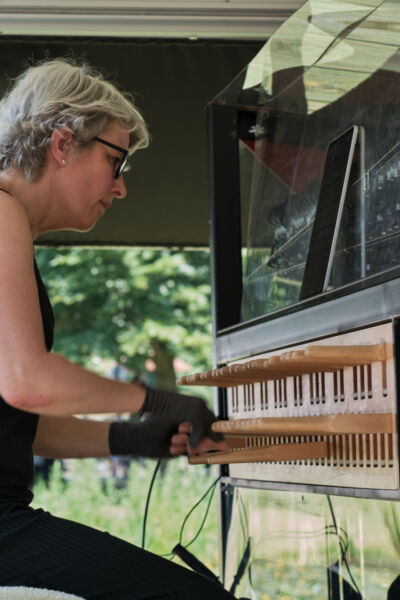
277,453
231,441
319,425
292,362
360,353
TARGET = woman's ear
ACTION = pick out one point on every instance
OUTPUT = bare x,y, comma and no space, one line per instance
61,141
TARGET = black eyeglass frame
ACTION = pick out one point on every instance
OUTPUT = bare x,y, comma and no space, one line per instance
124,152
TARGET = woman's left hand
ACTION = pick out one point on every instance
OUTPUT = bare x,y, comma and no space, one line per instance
155,437
180,442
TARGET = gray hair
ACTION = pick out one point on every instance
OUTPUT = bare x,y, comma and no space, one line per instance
59,93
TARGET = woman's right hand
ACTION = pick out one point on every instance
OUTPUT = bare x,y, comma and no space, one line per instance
180,408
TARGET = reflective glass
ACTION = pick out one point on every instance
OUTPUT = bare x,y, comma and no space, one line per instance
313,547
331,66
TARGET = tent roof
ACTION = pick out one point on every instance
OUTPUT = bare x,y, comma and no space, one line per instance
172,80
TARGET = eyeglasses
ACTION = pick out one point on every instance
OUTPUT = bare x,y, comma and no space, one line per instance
122,163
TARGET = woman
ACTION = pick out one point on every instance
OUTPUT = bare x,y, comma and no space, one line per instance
65,135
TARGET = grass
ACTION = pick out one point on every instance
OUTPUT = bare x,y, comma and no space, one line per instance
283,566
95,501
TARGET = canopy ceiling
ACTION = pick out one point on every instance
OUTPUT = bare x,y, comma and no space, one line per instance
207,19
167,202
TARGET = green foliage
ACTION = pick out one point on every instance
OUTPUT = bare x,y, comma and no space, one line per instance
86,499
116,303
392,522
127,306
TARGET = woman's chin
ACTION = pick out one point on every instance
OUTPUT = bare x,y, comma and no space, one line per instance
82,227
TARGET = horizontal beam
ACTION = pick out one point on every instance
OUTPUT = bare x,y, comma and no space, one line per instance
207,20
151,6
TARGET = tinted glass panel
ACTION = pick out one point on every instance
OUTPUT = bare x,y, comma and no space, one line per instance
332,66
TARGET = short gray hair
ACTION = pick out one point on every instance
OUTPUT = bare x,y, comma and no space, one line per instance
60,93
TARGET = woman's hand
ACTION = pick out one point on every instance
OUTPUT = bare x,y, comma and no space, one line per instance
150,437
177,408
180,442
171,424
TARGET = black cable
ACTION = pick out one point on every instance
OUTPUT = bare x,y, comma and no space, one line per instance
343,541
212,486
205,515
343,550
146,510
211,489
181,550
241,568
189,558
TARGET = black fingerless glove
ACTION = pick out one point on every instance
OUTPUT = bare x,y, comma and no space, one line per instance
150,437
162,413
177,408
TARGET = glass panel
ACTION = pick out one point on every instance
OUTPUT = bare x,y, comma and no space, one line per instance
284,190
345,66
381,27
331,66
369,240
301,42
313,547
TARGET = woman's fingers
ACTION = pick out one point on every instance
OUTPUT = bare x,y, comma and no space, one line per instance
179,439
185,427
177,450
180,442
207,444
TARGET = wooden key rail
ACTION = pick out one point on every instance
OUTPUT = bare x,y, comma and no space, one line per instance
320,425
311,359
279,452
291,427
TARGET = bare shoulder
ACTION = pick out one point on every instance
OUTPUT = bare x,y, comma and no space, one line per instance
16,248
17,279
14,223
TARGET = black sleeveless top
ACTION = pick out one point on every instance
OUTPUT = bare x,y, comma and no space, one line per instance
18,428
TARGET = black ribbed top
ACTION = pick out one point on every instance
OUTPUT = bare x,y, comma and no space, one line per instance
18,428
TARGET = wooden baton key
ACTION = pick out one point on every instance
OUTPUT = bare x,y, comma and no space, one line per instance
276,453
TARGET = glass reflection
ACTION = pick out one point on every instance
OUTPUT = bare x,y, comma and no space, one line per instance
331,66
314,547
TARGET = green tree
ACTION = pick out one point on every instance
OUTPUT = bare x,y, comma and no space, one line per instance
130,305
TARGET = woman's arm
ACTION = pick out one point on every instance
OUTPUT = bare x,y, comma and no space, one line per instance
69,437
35,380
52,385
31,378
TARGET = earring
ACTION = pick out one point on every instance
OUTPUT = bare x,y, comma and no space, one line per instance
64,162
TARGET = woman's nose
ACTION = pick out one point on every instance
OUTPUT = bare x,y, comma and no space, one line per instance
119,188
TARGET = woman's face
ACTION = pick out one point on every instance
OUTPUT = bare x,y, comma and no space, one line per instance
90,175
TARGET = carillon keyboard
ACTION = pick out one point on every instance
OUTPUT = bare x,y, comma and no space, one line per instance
321,413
